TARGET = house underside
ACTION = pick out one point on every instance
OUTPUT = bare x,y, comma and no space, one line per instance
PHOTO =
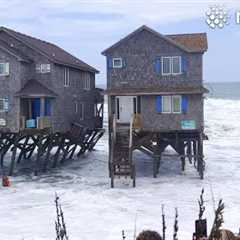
136,123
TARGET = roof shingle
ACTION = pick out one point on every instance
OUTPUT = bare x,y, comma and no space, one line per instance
52,51
34,88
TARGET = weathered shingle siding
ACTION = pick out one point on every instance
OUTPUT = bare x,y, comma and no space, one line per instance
140,53
64,106
163,121
8,86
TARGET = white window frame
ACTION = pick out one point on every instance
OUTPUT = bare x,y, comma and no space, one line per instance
43,67
66,77
167,112
171,104
180,65
76,107
180,102
6,67
170,67
117,66
87,81
82,109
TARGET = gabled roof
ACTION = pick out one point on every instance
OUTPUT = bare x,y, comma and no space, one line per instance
14,52
194,42
51,51
34,88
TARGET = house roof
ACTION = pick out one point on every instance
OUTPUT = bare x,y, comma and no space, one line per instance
34,88
192,42
13,51
160,90
50,50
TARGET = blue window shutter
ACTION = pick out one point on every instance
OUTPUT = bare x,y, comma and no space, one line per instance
158,65
109,62
47,107
6,104
184,64
159,104
184,104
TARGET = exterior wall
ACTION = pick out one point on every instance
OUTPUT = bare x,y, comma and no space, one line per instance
139,53
163,121
8,86
63,108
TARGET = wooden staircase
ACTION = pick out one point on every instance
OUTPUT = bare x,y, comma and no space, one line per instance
121,153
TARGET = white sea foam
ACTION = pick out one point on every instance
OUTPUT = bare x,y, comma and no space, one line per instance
93,210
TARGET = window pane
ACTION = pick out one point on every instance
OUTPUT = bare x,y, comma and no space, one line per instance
176,65
166,65
1,104
166,104
176,103
117,62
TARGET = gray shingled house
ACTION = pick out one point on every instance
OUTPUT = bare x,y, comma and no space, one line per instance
42,85
155,81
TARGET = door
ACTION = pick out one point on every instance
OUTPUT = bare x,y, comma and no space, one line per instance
36,104
125,107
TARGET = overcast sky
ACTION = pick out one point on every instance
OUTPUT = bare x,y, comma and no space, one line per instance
85,28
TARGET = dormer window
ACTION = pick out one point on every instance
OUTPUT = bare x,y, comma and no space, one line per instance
117,63
171,65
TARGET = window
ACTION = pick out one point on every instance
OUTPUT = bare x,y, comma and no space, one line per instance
43,68
117,62
76,107
4,104
86,81
166,104
176,65
171,65
1,105
81,111
166,65
176,104
171,104
4,69
66,77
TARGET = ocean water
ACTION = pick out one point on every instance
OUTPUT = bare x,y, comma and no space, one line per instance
224,90
92,209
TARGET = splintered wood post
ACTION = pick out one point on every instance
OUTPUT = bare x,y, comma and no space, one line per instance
39,144
200,156
60,142
14,153
189,151
23,149
73,150
195,151
49,148
182,153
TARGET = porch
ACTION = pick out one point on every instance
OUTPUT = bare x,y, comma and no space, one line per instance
35,113
36,106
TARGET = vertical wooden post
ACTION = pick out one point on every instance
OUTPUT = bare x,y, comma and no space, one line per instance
42,107
30,109
200,156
